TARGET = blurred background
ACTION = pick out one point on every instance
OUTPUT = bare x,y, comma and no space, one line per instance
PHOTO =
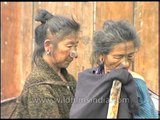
17,37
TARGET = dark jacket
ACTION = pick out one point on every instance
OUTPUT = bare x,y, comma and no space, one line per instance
45,95
93,90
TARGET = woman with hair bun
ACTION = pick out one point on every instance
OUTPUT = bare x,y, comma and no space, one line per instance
49,89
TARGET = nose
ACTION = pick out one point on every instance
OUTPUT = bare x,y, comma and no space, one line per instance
125,63
73,54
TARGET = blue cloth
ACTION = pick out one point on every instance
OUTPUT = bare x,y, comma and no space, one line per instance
146,109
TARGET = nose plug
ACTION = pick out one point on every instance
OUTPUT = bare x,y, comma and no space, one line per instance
73,54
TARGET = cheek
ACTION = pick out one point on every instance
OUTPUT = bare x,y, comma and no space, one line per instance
65,53
62,54
111,62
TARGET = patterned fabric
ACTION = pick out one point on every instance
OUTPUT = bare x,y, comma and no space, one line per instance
45,95
147,108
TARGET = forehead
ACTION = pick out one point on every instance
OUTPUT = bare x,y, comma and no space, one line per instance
72,38
123,48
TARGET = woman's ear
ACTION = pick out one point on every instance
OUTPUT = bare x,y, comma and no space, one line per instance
47,46
101,58
136,50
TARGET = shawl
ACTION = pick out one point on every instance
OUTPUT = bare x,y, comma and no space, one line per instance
92,94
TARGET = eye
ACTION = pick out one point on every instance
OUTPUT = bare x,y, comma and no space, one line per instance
118,57
131,56
70,46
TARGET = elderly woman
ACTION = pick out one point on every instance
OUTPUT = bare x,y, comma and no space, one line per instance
49,89
114,47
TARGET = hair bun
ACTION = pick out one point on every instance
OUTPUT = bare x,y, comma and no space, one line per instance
108,24
43,16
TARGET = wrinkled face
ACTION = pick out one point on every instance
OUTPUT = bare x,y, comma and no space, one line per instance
121,54
65,51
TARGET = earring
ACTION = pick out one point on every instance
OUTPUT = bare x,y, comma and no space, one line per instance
100,69
48,52
102,60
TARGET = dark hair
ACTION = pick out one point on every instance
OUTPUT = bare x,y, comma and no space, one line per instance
57,25
112,33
